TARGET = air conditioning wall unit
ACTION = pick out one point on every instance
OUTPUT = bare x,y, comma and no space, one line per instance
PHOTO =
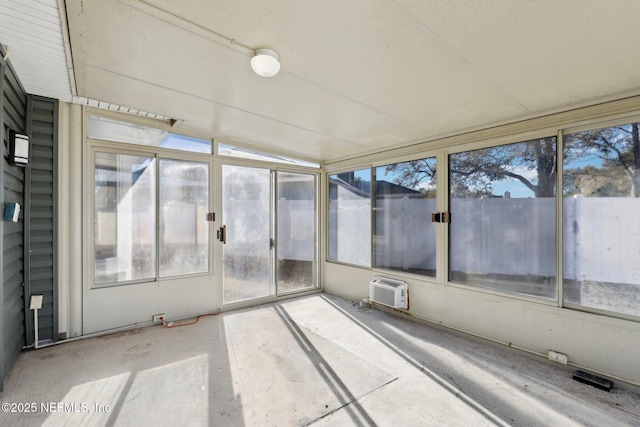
389,292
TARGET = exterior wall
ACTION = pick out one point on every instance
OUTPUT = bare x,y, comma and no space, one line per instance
13,102
40,208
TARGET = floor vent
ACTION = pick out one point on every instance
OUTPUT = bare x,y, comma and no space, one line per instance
592,380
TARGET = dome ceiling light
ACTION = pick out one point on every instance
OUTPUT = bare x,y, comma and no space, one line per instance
265,63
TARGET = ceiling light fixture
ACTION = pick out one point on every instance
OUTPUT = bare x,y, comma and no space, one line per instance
265,63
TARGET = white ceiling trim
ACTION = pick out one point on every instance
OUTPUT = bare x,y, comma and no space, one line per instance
33,35
62,13
119,108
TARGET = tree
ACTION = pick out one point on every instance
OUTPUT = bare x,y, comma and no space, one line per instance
613,161
532,163
414,173
609,166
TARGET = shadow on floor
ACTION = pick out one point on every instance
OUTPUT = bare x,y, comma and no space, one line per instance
307,361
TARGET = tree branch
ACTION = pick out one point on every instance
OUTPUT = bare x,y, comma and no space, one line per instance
617,151
522,179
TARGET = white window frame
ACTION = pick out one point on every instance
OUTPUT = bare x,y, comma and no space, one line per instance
591,118
92,146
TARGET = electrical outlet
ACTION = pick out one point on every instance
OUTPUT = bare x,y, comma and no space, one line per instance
558,357
158,318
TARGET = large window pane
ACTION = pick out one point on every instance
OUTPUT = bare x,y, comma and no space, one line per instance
125,218
350,217
244,153
107,129
404,236
503,227
296,242
184,230
601,189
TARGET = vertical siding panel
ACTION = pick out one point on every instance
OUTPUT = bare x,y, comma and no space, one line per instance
40,224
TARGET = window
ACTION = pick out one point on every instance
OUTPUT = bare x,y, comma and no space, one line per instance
244,153
105,129
503,205
125,226
502,233
350,217
184,230
149,210
126,214
404,236
601,231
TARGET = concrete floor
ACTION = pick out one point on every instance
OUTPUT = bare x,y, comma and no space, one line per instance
307,361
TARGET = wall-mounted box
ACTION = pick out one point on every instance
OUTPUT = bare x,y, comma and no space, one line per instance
12,212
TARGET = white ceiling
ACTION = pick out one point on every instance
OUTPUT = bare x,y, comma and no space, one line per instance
358,75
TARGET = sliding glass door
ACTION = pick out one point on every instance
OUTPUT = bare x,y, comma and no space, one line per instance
268,248
247,250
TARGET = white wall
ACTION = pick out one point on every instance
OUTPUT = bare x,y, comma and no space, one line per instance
118,306
84,310
601,344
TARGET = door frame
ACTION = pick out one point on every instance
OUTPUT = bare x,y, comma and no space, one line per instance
274,168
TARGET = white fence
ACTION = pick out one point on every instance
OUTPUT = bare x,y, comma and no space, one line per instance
497,236
604,235
503,236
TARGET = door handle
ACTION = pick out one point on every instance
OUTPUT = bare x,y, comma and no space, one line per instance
222,234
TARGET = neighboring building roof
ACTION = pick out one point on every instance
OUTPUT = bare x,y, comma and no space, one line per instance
384,189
